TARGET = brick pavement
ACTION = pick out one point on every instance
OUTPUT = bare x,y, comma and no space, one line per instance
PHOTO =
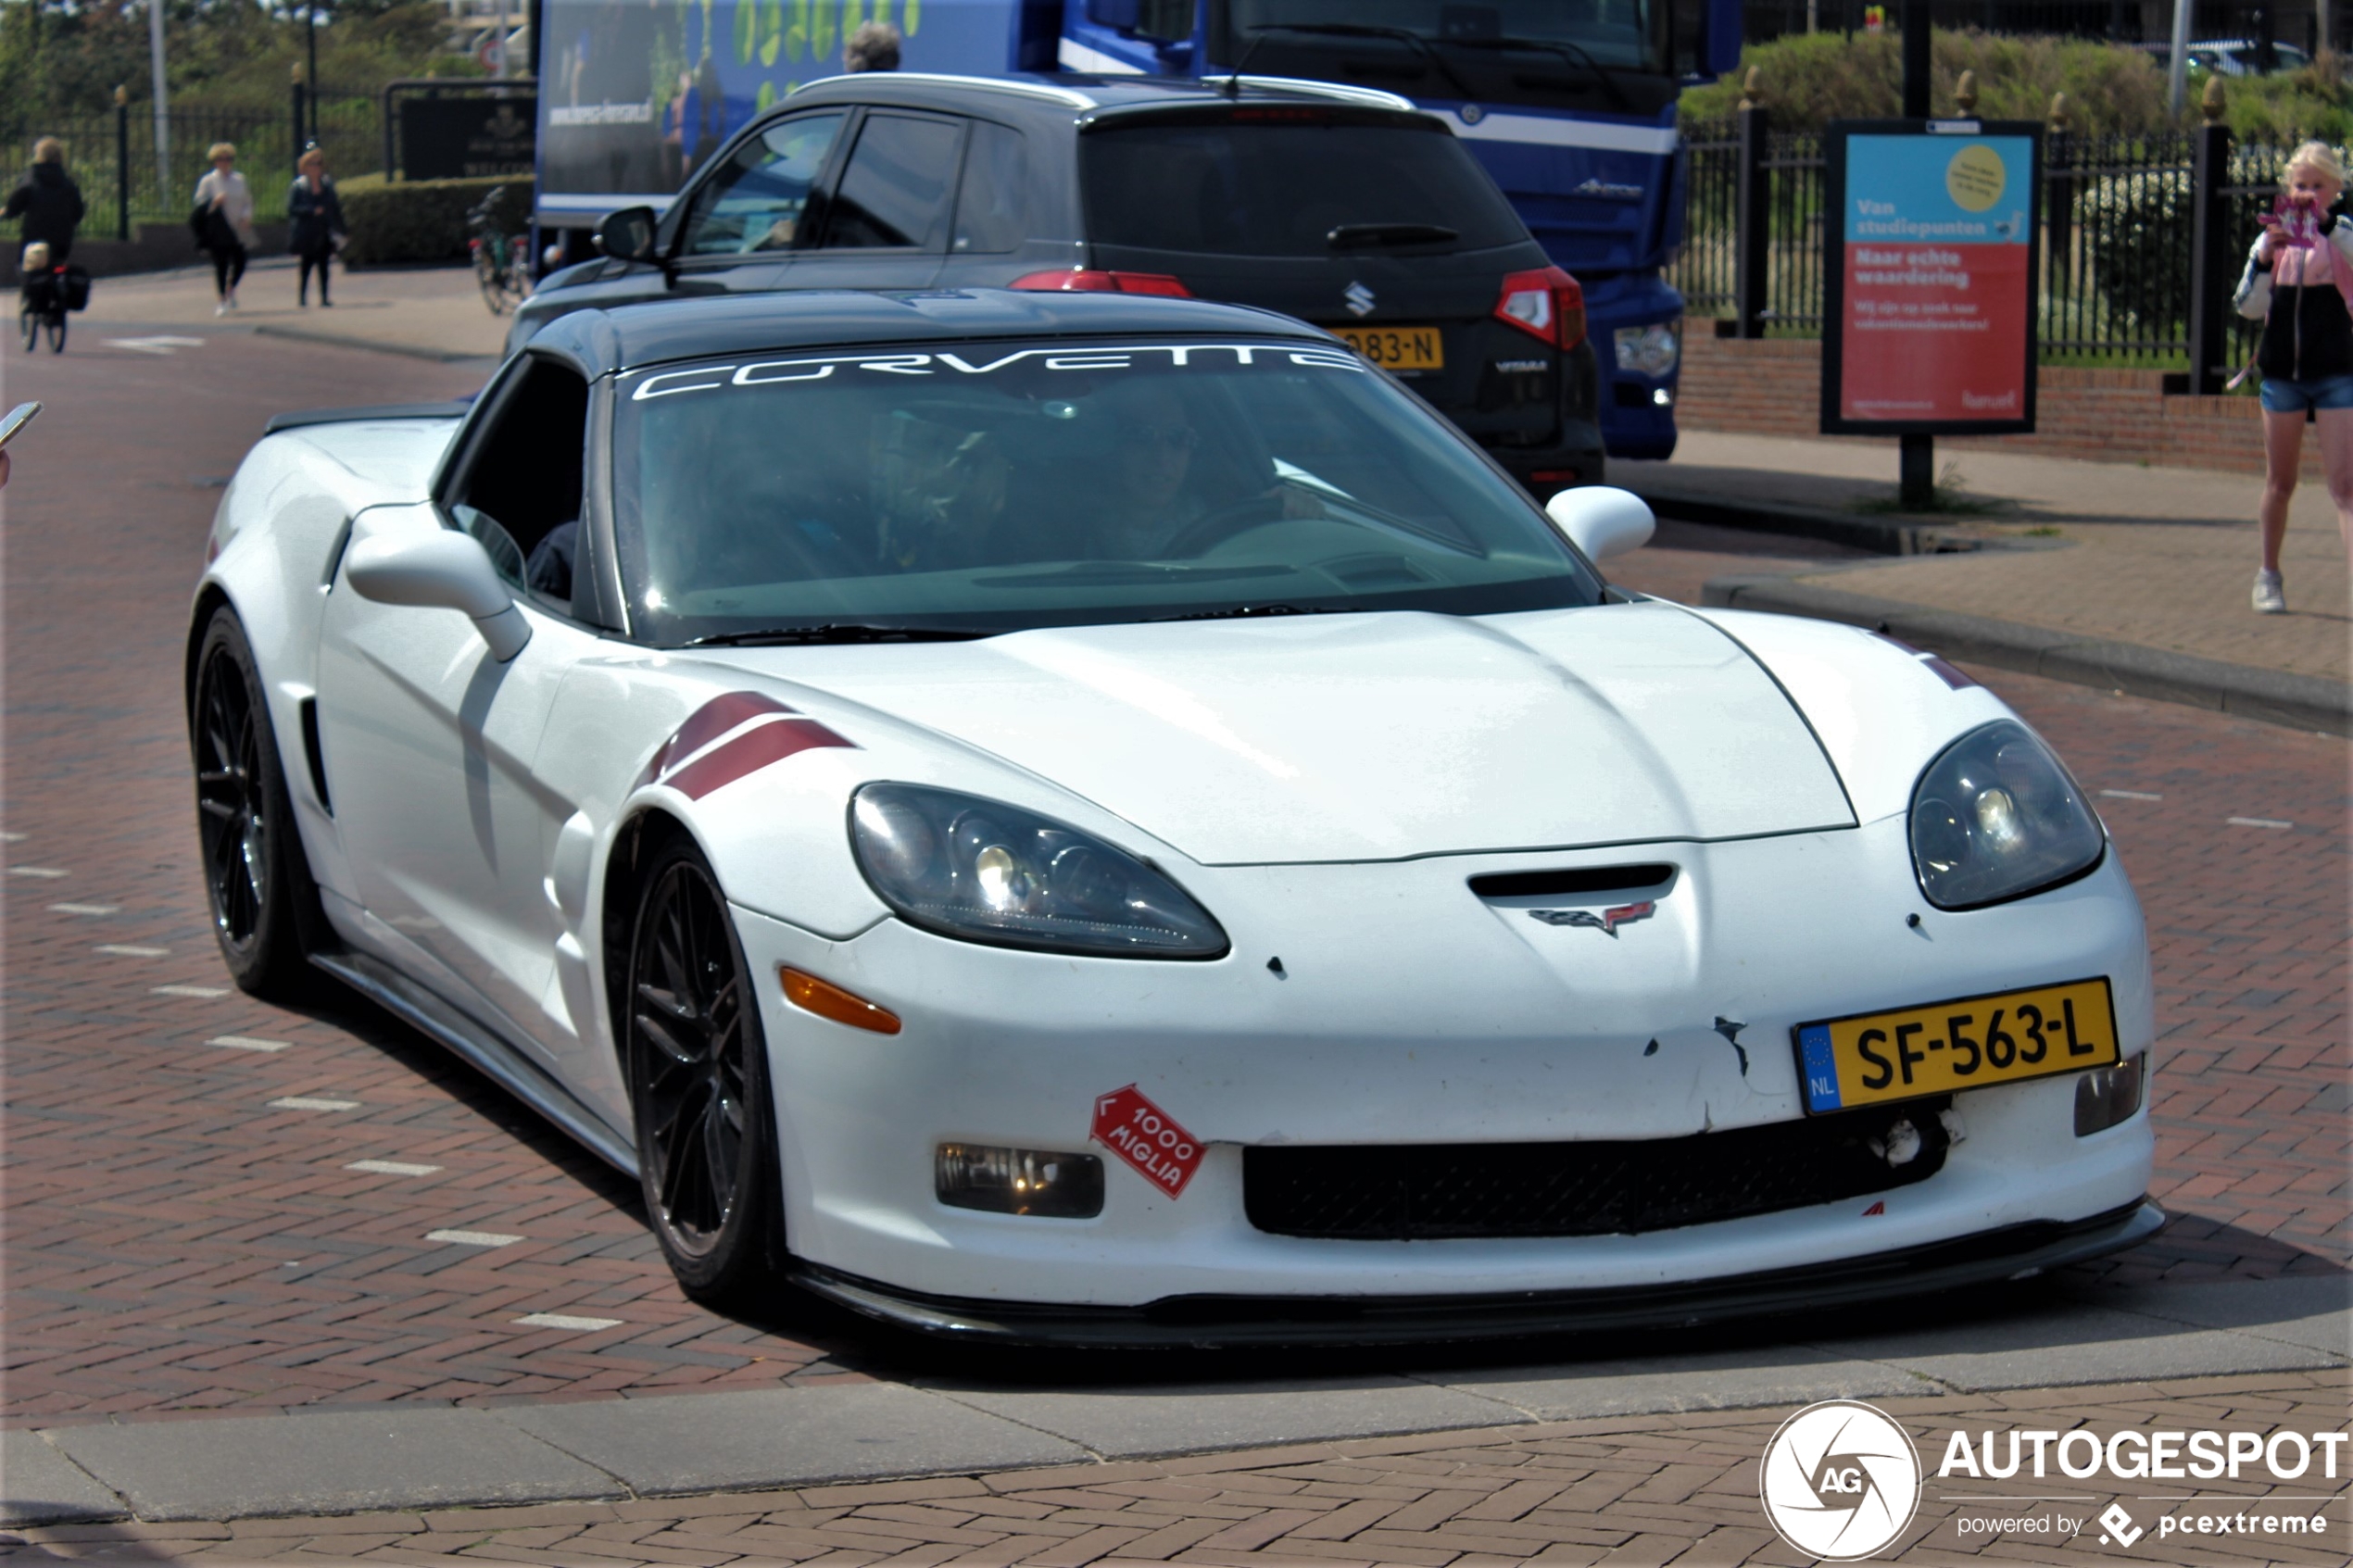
1623,1492
176,1246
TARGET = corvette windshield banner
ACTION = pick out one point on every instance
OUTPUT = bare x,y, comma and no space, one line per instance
1929,279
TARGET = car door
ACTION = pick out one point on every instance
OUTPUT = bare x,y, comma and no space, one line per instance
886,219
745,223
427,739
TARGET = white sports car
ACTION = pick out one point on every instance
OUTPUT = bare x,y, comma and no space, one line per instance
1101,819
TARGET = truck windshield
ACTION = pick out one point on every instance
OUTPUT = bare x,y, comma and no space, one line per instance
1574,53
970,488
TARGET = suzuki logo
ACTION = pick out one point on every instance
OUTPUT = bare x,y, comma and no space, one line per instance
1360,299
1607,922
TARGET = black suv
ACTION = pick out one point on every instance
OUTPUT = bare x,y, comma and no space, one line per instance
1341,206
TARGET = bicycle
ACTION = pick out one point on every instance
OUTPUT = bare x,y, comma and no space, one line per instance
43,301
502,262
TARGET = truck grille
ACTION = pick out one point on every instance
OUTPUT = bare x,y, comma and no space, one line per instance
1401,1192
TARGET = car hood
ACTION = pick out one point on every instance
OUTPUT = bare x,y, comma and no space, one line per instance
1380,736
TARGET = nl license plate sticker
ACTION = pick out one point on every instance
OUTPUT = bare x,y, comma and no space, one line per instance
1148,1138
1398,349
1938,1047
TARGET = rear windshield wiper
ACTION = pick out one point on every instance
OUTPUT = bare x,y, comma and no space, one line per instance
1576,53
837,632
1407,36
1357,236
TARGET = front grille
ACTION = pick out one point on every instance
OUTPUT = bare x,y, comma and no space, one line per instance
1425,1191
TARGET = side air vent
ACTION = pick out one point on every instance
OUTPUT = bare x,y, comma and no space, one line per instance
314,755
1562,883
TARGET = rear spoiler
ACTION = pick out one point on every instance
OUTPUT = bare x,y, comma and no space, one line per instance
456,410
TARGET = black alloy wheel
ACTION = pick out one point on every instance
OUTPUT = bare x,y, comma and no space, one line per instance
256,875
699,1081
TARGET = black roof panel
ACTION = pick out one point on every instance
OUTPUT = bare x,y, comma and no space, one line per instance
603,342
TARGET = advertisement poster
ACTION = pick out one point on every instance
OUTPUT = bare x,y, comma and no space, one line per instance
636,93
1929,279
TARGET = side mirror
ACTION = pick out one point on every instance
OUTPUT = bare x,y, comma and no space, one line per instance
628,236
443,570
1603,521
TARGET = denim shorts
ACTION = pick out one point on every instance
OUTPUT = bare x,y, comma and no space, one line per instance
2284,396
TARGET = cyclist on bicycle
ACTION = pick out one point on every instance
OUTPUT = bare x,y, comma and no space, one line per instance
48,201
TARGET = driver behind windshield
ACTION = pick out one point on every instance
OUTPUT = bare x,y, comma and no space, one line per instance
1157,488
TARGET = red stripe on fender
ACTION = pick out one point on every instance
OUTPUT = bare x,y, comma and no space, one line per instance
704,725
749,752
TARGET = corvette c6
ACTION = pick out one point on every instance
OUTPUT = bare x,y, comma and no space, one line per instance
1093,818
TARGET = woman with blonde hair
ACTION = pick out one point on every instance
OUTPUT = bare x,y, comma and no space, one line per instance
223,222
48,201
2298,278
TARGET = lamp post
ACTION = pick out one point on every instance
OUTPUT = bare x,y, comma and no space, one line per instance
310,45
163,109
1916,455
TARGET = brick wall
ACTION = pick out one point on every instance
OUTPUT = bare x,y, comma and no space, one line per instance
1773,388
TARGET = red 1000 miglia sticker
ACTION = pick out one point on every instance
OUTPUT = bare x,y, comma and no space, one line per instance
1148,1138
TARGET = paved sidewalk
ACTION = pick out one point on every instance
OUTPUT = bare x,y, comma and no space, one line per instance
429,313
2161,557
1635,1490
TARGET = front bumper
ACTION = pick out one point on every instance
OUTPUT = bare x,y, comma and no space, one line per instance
2012,1252
1405,1013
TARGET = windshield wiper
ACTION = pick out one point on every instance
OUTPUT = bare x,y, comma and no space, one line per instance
1242,612
1407,36
1356,236
837,632
1576,53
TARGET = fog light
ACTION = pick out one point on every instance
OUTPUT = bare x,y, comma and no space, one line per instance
2109,1096
1662,397
1020,1181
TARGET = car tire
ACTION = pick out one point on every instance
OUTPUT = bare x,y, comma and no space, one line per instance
258,883
698,1083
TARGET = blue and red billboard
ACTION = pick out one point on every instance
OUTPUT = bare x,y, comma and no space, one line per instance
1929,278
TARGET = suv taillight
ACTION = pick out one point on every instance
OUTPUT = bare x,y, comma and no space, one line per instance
1089,280
1546,303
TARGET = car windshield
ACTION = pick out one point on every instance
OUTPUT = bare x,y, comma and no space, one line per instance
1621,33
1286,181
995,486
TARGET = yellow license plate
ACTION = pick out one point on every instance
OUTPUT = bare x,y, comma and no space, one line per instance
1398,349
1964,1043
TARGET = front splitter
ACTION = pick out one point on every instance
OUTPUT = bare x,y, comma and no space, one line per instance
1227,1322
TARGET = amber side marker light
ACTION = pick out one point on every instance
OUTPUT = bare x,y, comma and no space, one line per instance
829,1001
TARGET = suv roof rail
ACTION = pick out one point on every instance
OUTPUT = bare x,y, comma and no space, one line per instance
1371,96
1063,96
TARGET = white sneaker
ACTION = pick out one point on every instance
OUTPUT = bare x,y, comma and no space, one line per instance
2268,598
221,308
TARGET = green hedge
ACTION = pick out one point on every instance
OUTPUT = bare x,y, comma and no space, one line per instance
421,219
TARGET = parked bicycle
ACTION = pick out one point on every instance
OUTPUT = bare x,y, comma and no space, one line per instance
502,262
44,300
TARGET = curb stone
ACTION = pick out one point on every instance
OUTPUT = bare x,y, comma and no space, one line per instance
1890,536
2271,696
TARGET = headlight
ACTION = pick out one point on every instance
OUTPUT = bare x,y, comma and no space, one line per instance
1996,817
987,872
1648,351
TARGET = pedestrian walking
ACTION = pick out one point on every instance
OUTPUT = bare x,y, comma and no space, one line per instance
2298,278
223,222
317,229
47,202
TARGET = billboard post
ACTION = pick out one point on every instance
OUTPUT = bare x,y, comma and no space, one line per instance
1929,281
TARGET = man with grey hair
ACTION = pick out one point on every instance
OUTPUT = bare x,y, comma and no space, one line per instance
870,46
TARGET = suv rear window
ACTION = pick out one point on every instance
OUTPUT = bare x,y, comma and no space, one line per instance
1252,186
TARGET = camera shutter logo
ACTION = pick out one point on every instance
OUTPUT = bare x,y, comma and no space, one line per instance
1840,1480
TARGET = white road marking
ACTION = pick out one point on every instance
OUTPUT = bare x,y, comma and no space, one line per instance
86,908
50,872
391,1168
246,1043
11,838
128,950
2130,795
2256,822
473,1239
565,1320
305,1102
159,344
202,991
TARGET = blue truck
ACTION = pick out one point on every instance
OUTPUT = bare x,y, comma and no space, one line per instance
1570,104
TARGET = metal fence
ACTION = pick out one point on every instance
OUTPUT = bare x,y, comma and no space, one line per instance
2117,276
2295,22
111,155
